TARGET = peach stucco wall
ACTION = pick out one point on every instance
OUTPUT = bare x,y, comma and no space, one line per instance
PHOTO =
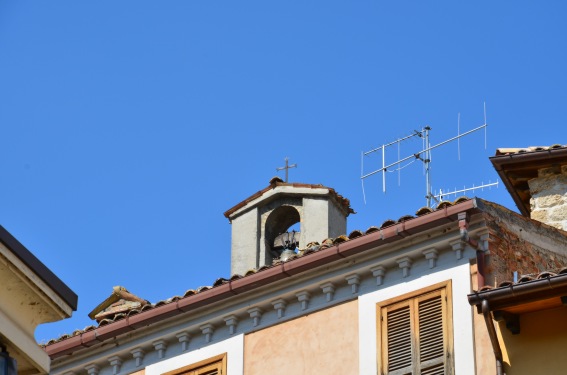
325,342
540,346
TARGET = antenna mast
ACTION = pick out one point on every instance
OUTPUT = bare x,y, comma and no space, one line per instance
423,155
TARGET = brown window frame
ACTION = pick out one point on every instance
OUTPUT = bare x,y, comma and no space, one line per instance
411,301
203,367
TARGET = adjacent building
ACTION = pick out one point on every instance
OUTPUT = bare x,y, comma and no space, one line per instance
30,294
526,317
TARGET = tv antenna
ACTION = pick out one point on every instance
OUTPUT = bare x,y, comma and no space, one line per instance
442,194
424,156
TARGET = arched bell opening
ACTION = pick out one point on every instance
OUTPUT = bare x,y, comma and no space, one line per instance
282,232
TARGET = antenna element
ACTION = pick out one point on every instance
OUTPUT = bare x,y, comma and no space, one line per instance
423,155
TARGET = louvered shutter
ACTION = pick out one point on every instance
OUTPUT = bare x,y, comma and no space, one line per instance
398,331
414,336
212,369
212,366
431,335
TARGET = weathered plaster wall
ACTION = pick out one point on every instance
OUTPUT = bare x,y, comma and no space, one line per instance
337,221
245,242
520,244
315,221
290,348
540,346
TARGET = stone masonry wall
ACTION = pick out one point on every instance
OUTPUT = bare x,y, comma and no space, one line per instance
549,197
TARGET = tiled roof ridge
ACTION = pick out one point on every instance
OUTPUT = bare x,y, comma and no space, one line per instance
526,278
523,150
312,247
277,182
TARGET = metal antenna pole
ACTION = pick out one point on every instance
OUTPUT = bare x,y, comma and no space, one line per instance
383,169
427,163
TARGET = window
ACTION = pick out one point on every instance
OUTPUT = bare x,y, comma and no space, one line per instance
415,333
211,366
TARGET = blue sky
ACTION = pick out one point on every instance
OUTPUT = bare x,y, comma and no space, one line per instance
129,127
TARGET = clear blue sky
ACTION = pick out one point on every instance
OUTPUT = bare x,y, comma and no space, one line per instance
129,127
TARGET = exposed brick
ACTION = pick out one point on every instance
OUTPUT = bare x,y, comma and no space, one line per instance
510,252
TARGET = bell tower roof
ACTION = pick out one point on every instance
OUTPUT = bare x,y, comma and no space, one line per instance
261,223
278,186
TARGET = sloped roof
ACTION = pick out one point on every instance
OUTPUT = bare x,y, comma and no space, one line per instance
313,256
529,293
44,273
516,166
119,301
276,182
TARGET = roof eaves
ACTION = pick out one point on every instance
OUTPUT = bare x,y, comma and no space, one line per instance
515,294
44,273
266,276
538,157
341,201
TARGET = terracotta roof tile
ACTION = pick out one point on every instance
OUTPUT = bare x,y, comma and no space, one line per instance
516,166
220,281
510,151
311,248
387,223
525,279
355,234
372,229
444,204
423,211
340,239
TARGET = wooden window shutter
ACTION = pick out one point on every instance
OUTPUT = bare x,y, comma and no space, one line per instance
211,366
414,335
398,332
432,334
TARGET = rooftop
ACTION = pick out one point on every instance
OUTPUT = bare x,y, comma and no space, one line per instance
516,166
315,254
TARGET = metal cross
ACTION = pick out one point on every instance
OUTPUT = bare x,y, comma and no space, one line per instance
287,168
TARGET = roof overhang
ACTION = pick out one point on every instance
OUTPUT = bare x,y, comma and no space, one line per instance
367,245
521,298
277,188
31,295
517,166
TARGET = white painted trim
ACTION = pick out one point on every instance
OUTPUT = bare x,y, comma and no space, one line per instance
233,347
462,317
